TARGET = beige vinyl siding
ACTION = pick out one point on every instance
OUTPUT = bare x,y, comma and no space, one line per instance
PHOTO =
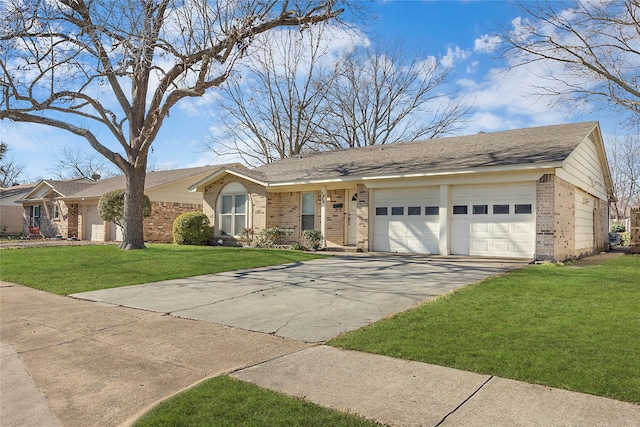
177,192
583,169
585,205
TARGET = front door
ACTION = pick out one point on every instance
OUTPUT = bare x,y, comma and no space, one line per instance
352,216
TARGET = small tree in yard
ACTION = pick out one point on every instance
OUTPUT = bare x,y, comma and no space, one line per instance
111,207
191,228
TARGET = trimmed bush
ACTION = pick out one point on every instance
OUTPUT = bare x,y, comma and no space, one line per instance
312,239
272,237
191,228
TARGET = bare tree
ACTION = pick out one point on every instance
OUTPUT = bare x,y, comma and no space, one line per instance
624,160
76,163
10,170
593,50
87,66
272,107
379,97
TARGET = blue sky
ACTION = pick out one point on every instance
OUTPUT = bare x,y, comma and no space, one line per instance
454,32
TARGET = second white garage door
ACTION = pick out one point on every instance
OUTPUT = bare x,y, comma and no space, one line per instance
406,220
496,220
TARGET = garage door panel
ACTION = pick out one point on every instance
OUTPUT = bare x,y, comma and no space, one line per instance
523,227
503,233
406,233
480,227
501,246
480,246
502,228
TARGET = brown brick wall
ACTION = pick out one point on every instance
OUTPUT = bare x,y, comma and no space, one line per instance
159,226
336,218
362,226
565,220
72,220
544,217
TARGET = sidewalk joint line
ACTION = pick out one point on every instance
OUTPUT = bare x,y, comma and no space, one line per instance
464,401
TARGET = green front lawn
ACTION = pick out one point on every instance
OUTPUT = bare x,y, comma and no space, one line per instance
576,328
70,269
224,401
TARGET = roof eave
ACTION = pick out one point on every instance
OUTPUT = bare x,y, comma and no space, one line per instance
200,185
489,169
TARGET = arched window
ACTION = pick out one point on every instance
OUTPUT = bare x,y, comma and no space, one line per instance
232,209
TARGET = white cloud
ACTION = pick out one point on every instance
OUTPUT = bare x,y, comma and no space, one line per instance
486,43
453,55
473,67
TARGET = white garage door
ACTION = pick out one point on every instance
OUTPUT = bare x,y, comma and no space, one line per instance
93,225
496,220
406,220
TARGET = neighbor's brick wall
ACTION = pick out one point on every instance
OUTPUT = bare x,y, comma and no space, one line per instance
601,224
62,223
159,226
362,226
555,218
49,227
73,220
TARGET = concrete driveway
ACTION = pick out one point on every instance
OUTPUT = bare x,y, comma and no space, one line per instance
311,301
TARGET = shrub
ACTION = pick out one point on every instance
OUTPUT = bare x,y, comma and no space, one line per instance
3,228
191,228
312,239
295,246
618,227
272,237
625,239
111,207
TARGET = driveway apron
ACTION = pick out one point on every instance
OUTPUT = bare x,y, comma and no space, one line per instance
312,301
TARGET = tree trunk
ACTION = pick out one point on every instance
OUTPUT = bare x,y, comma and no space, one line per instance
133,232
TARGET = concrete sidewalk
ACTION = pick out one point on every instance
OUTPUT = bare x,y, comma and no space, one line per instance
398,392
101,365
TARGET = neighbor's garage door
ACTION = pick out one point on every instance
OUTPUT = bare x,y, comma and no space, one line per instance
406,220
493,220
94,225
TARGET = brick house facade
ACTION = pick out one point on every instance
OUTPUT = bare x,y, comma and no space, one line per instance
529,193
69,208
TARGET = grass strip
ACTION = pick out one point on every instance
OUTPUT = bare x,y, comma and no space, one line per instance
70,269
224,401
576,328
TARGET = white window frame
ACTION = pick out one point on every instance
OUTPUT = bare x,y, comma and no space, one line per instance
56,210
304,213
233,190
32,215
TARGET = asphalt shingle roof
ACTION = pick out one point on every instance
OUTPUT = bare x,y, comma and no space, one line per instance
153,179
512,147
68,187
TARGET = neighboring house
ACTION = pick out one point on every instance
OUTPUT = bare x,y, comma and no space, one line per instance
70,208
10,211
44,206
539,193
